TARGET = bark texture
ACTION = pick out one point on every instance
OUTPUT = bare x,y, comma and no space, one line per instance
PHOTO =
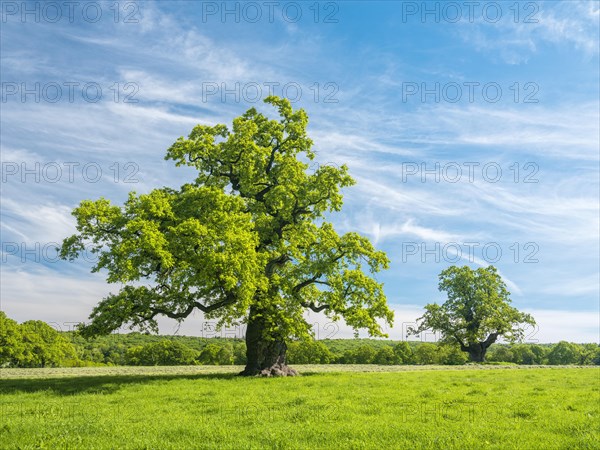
477,350
266,354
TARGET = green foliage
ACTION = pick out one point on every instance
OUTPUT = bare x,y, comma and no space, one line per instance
528,354
308,352
214,354
590,354
426,353
501,354
33,344
477,309
133,356
404,354
161,353
11,341
540,354
339,346
451,355
596,357
365,354
111,349
564,353
249,231
126,349
239,353
385,356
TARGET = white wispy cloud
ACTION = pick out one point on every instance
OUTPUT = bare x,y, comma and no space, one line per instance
381,231
515,41
37,222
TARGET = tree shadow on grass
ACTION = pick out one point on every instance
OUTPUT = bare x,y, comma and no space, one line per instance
104,384
107,384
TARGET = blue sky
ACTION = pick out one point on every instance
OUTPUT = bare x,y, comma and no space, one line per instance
473,135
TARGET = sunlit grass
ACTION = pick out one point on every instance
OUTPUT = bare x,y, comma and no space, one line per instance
209,407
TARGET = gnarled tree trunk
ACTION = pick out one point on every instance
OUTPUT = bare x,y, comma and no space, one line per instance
477,350
265,353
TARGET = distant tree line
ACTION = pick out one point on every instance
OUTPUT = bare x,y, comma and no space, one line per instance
37,344
34,344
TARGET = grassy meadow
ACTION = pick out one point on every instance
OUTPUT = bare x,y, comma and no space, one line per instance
357,407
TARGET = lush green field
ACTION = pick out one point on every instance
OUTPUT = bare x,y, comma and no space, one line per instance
209,407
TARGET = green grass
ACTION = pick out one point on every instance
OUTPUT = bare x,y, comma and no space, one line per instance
390,407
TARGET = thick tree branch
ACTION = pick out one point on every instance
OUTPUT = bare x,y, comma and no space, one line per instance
463,347
313,280
490,340
274,150
181,315
279,261
260,195
315,308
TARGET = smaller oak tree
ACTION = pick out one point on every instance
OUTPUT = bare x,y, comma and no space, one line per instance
476,313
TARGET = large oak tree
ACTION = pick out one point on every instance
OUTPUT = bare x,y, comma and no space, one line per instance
246,241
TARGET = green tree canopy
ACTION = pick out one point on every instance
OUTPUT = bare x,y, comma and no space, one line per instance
364,354
217,354
564,353
162,353
385,356
476,313
403,352
11,341
528,354
502,354
451,355
247,240
43,346
426,353
309,352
